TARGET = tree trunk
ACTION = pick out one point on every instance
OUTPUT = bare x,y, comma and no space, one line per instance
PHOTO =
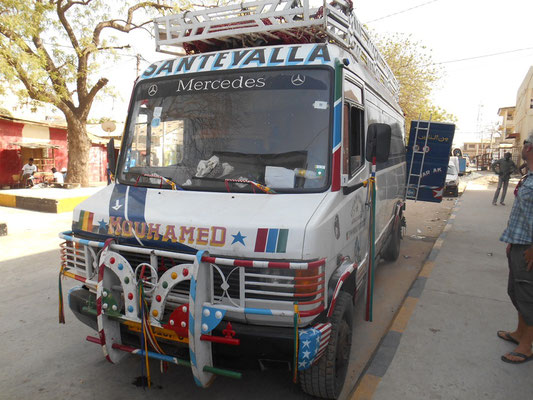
79,147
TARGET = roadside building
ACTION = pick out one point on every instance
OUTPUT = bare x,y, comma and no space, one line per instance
517,121
473,149
524,107
508,139
507,126
46,143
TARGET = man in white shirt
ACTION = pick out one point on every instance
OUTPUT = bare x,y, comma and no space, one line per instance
58,176
27,172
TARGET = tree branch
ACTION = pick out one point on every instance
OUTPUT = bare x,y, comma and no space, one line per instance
128,25
68,28
81,81
36,92
72,3
127,46
58,81
86,102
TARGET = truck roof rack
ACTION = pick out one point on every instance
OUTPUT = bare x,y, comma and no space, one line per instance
272,22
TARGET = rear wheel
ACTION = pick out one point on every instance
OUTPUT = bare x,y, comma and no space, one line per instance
326,378
392,250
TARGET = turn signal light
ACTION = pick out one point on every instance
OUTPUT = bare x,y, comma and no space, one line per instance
308,280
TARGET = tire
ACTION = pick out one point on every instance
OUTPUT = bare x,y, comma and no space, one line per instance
456,192
392,251
325,379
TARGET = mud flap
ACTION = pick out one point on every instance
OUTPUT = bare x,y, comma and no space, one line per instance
200,351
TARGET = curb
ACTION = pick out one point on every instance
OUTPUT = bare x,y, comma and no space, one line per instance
385,351
40,204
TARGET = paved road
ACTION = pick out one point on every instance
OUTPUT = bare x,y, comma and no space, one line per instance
42,359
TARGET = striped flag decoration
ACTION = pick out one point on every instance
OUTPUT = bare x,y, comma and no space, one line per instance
85,222
271,240
313,344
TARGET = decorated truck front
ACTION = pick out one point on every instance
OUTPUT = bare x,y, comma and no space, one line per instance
237,224
234,164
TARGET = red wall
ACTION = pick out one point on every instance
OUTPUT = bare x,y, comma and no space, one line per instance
98,163
58,137
10,162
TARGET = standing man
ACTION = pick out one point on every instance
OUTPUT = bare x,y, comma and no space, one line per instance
27,172
504,168
519,236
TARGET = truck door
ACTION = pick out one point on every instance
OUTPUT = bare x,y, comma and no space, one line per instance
354,168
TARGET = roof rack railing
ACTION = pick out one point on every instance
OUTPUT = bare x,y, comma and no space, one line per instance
265,22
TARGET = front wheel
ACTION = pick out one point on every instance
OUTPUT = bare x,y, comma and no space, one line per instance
326,378
456,191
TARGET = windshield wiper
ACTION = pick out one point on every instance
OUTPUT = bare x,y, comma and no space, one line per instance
173,185
254,185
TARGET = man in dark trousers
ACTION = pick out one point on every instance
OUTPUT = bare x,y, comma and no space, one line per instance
504,168
519,236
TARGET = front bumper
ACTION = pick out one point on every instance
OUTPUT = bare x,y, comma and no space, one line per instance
189,302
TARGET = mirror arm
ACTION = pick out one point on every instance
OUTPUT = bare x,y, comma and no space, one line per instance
351,189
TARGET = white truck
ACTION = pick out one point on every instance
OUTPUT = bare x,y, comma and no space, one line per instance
237,226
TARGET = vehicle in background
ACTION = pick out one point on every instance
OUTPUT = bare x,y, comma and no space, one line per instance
462,160
456,162
452,179
428,156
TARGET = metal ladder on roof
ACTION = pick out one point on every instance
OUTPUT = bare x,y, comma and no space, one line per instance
273,22
417,151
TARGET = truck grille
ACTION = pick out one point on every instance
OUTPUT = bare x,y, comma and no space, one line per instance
262,287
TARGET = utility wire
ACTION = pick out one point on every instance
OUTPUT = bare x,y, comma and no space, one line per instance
482,56
402,11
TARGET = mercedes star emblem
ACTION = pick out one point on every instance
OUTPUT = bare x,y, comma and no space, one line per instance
152,90
298,79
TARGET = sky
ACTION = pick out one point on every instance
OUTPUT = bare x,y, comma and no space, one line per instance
472,89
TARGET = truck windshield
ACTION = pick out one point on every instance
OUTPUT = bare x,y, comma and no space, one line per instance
209,131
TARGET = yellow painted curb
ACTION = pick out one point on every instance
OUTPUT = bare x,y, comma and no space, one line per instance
366,387
426,269
438,244
64,205
8,200
402,318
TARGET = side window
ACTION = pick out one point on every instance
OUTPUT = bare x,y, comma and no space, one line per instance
353,127
353,139
356,138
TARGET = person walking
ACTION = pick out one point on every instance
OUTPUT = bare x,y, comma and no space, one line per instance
519,238
504,168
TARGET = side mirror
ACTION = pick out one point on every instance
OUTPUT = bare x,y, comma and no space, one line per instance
378,140
111,161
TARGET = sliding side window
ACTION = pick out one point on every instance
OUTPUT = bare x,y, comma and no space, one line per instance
353,128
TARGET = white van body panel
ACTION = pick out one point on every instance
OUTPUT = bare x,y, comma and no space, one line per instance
225,224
